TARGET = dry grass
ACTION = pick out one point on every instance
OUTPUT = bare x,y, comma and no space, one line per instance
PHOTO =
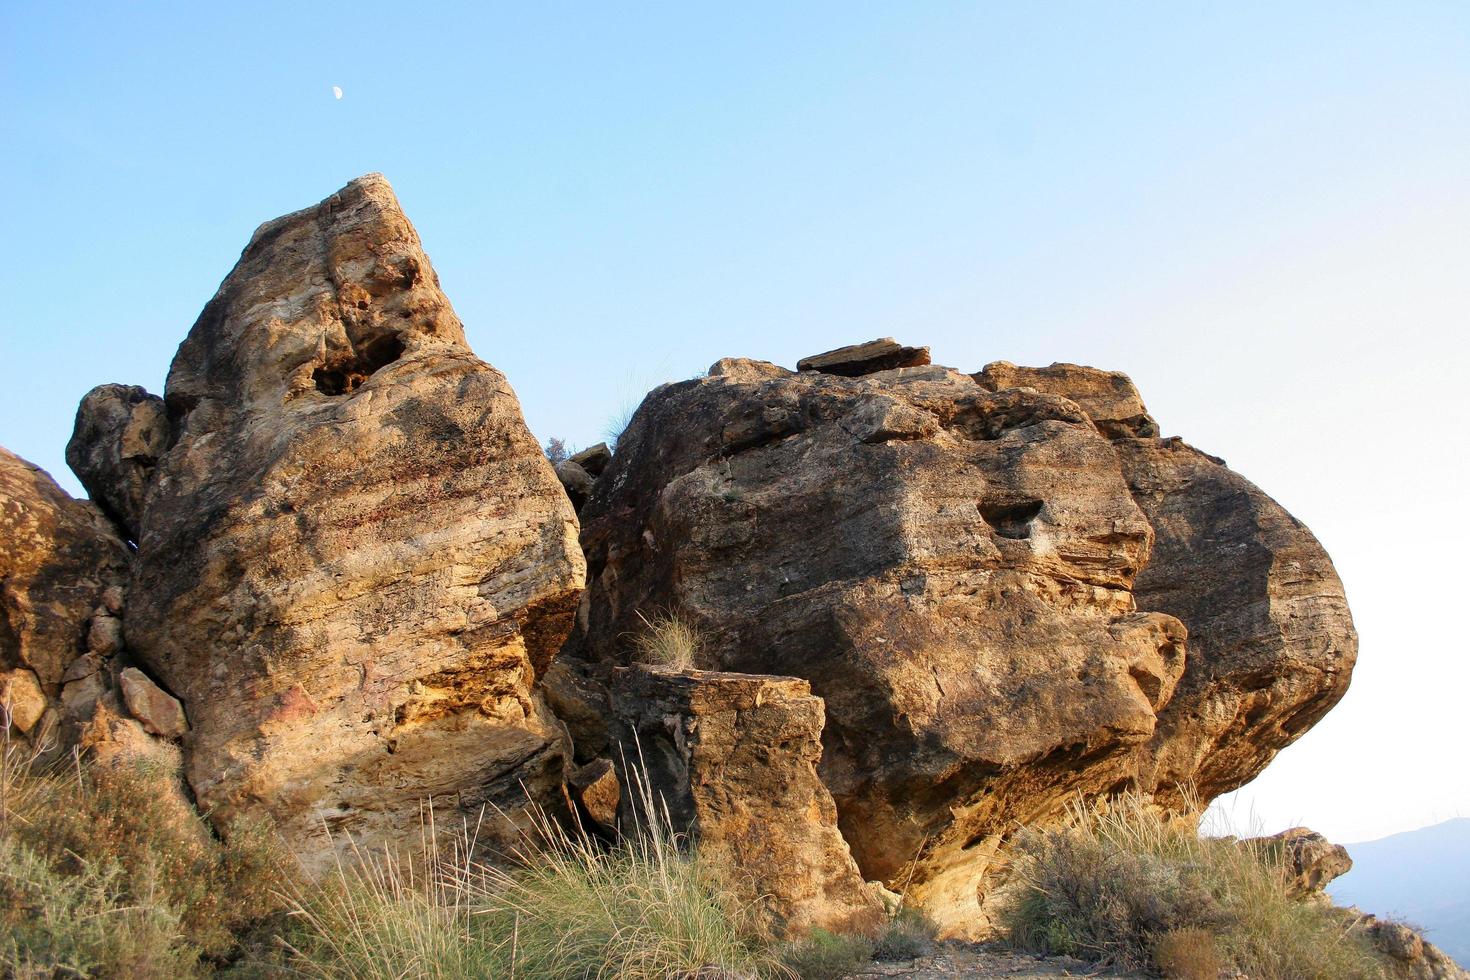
1125,886
668,640
105,871
566,907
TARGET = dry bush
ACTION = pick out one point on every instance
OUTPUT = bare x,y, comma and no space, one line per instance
1121,877
106,871
909,934
1188,953
668,640
823,955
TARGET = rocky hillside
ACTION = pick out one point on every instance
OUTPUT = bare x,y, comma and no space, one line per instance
931,606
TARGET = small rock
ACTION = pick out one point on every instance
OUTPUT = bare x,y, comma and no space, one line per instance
593,459
21,699
1312,859
84,666
882,354
79,697
112,599
105,635
576,481
120,432
596,787
160,712
745,370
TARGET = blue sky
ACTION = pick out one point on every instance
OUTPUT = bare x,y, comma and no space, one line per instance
1259,211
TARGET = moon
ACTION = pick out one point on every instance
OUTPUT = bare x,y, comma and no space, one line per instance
337,92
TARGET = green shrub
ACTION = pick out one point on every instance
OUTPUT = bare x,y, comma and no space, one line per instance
107,871
827,956
1127,886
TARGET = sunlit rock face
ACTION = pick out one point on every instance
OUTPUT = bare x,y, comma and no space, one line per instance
961,567
354,559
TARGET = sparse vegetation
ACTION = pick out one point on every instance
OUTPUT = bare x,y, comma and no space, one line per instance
909,934
668,640
556,450
1127,886
825,955
106,872
569,907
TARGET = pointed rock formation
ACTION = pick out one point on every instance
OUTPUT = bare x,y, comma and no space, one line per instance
354,559
120,432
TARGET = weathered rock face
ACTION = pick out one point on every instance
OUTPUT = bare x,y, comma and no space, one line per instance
59,558
120,432
354,560
734,759
1272,643
958,565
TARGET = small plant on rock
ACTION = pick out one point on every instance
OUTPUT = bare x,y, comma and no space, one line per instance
668,640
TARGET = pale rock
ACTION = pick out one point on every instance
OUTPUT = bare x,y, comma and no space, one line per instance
160,712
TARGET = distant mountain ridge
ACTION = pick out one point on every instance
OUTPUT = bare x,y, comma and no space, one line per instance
1421,876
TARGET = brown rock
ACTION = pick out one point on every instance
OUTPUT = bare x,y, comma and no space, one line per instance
576,481
57,558
876,355
734,758
120,432
105,634
1312,859
593,459
79,696
22,702
354,559
953,569
581,703
1411,956
595,786
159,711
1108,397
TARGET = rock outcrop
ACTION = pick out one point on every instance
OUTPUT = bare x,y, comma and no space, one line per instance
353,560
733,758
59,560
992,580
120,432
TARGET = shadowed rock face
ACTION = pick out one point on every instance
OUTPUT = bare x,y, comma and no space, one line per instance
58,556
960,566
354,560
120,432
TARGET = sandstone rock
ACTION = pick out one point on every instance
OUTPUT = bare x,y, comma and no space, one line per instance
57,558
858,359
354,559
745,369
1411,956
22,702
734,758
595,786
105,634
159,711
953,569
1313,860
120,432
79,696
1108,397
581,703
576,481
593,459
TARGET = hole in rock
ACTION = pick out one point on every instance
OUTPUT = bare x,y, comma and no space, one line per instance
344,375
1010,518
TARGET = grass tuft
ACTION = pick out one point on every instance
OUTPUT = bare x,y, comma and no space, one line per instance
668,640
1129,887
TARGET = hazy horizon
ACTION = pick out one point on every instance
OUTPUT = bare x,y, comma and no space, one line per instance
1258,213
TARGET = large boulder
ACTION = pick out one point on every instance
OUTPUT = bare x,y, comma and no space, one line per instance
951,562
120,432
354,559
59,560
1271,640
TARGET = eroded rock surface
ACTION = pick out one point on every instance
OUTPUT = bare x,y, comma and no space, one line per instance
734,758
120,432
354,559
58,559
965,568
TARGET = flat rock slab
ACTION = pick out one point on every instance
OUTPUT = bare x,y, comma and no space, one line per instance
882,354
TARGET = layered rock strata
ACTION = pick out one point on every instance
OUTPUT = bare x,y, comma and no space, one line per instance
990,580
353,560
